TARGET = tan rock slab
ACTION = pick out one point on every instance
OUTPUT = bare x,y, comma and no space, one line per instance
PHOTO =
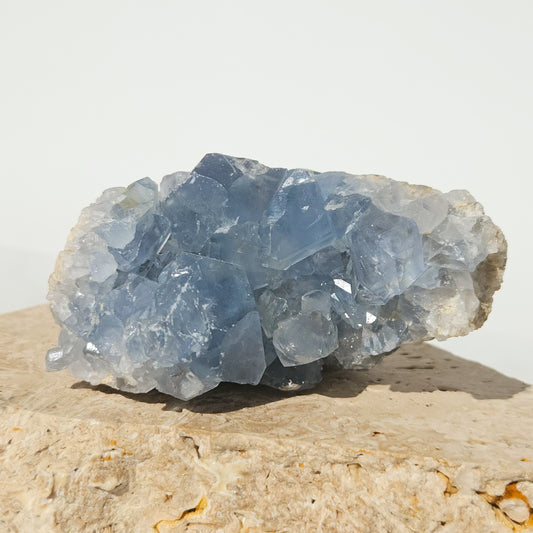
425,442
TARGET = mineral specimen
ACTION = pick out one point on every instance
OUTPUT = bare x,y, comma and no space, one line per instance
243,273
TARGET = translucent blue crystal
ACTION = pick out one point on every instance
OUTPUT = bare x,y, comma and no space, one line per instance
386,251
295,224
243,273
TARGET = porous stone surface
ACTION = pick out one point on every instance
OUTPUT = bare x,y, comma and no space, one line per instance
243,273
423,442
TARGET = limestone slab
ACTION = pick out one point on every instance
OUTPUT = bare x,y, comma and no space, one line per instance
425,441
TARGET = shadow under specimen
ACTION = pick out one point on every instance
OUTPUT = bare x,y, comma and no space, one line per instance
415,368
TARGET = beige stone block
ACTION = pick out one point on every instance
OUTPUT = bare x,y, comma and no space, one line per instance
424,442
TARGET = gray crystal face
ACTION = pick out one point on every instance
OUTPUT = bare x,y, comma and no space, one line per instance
243,273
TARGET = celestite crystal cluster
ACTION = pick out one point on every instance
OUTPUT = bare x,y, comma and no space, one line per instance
243,273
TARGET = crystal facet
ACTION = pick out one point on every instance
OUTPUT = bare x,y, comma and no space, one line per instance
243,273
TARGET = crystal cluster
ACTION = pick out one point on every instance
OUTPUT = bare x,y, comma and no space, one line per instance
244,273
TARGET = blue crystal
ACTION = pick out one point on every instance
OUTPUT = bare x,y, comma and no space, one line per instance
386,251
250,185
295,224
195,211
244,273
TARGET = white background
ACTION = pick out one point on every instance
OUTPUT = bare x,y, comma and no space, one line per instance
97,94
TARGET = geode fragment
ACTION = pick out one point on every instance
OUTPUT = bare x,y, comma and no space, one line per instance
243,273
